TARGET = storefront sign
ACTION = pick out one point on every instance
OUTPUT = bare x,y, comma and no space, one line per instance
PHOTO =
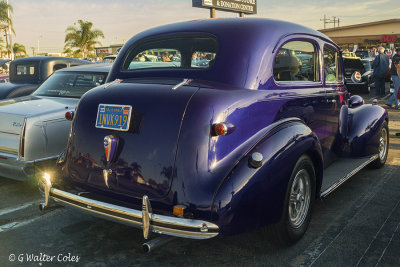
243,6
388,39
104,51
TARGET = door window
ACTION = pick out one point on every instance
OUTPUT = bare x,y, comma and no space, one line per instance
332,65
297,61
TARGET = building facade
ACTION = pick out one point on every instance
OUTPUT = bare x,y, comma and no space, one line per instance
370,35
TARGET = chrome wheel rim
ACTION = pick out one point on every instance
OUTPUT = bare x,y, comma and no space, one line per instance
383,144
299,202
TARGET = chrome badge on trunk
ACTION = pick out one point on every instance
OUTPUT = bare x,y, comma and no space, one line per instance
110,146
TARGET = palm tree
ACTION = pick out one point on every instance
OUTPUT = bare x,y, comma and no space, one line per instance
84,38
5,20
19,50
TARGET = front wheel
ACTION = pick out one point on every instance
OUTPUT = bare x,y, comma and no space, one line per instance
300,196
383,149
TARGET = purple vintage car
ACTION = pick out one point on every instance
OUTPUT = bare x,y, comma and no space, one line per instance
215,127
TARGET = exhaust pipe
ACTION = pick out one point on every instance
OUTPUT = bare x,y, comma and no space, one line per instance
157,242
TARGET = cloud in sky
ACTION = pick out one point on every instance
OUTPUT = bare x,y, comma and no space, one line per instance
45,21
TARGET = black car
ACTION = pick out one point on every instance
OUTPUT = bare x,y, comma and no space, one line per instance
363,54
26,74
364,67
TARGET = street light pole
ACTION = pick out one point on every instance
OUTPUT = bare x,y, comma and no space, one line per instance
9,32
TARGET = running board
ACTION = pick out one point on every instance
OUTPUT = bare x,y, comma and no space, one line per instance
333,175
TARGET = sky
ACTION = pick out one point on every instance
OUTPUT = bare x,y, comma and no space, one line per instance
41,24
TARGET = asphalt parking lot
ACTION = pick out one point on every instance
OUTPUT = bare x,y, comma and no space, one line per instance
357,225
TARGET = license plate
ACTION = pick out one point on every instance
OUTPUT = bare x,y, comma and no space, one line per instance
114,117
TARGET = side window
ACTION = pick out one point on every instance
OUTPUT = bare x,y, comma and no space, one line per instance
332,65
59,66
297,61
25,70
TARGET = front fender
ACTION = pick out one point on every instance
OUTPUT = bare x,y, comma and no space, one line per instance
252,197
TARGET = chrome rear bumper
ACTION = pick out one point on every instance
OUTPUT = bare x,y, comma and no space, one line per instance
145,219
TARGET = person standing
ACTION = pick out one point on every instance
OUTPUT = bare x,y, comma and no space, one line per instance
380,66
396,80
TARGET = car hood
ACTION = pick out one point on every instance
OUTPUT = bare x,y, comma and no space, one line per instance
29,106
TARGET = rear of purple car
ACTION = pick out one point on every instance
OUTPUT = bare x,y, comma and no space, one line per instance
198,133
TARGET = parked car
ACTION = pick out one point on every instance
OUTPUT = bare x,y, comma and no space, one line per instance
364,68
33,129
350,55
246,142
109,59
363,54
26,74
4,78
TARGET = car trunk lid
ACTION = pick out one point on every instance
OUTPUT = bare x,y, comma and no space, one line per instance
145,154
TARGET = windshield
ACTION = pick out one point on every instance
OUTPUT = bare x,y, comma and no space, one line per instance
366,64
179,52
70,84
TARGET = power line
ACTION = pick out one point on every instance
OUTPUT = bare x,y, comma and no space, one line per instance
334,21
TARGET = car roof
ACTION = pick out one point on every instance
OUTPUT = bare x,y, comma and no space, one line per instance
45,58
97,67
224,27
245,48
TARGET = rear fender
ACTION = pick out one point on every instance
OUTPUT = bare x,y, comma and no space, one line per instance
364,123
252,197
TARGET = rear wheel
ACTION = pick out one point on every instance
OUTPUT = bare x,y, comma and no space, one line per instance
300,196
383,147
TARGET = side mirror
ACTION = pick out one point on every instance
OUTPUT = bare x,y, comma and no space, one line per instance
356,77
355,101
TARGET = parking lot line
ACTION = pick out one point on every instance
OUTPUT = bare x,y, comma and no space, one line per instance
13,209
377,233
366,200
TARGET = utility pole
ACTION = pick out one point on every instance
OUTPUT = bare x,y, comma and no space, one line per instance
9,32
212,13
334,20
325,21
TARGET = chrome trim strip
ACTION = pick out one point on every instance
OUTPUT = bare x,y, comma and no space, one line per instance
174,226
348,176
111,83
184,82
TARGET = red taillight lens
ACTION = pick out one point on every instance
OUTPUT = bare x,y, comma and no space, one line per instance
22,142
220,129
69,115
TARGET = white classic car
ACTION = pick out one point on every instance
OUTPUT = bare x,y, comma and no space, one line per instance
34,129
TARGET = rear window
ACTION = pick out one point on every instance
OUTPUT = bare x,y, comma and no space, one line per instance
190,52
70,84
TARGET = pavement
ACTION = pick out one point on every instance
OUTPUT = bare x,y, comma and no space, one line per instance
356,225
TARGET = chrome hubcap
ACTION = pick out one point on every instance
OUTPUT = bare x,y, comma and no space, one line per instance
383,144
299,201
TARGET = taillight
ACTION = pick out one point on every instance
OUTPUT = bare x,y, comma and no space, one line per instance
22,141
69,115
222,128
